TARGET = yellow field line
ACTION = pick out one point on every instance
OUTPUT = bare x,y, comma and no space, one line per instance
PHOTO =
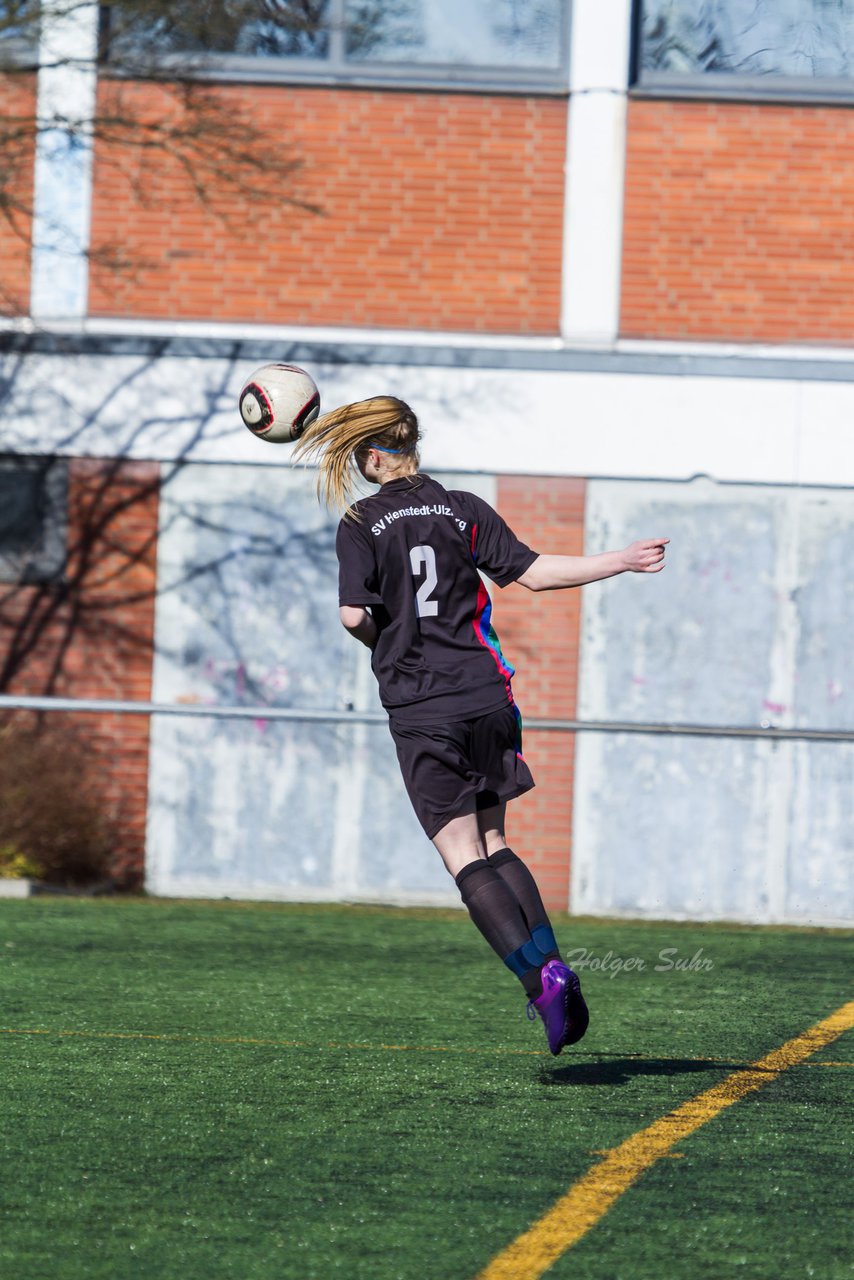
573,1215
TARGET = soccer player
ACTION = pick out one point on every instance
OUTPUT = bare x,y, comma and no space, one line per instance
410,558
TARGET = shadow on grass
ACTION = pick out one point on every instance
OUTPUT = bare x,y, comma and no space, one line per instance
622,1070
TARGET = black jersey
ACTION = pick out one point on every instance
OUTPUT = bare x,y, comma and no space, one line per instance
412,557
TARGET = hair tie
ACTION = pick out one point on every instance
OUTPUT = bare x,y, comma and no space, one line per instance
372,444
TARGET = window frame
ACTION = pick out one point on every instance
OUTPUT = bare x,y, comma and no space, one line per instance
832,91
336,70
20,47
45,560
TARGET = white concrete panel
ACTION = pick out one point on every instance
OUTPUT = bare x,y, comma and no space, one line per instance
750,624
820,869
509,421
247,615
245,574
826,438
671,828
823,694
595,169
662,647
593,220
67,85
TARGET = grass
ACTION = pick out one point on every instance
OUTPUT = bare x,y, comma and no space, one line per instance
212,1090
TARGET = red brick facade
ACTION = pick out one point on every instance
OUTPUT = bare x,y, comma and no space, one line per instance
738,222
95,639
540,634
17,104
434,211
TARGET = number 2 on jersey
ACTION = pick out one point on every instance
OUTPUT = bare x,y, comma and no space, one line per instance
425,557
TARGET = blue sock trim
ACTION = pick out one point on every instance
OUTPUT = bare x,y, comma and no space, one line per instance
524,959
543,939
516,963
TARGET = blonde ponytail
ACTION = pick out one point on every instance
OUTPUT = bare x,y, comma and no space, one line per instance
333,440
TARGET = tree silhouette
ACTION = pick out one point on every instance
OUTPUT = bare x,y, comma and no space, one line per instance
219,146
81,624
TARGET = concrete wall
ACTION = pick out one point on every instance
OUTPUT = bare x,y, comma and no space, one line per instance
775,417
751,623
248,615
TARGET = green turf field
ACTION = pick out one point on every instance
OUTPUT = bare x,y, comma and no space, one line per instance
207,1090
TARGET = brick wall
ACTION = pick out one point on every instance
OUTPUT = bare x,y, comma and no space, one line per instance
95,639
738,222
540,634
436,210
17,108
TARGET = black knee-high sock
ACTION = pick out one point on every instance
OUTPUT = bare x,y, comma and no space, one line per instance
494,909
523,886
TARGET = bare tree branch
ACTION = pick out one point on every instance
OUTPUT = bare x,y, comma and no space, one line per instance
194,124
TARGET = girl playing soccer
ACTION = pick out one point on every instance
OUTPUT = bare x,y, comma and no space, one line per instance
410,558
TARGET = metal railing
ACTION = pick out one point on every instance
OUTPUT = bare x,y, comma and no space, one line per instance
767,733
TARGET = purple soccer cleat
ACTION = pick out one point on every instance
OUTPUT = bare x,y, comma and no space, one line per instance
561,1006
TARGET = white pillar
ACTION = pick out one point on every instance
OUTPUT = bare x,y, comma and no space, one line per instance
595,171
67,81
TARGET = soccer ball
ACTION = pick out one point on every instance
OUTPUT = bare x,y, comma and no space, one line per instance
278,402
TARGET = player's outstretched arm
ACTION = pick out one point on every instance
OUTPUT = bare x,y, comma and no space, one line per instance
359,623
551,573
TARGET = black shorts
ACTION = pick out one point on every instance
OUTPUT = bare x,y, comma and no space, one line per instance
467,765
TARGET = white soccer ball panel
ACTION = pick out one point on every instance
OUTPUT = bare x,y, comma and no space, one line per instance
278,402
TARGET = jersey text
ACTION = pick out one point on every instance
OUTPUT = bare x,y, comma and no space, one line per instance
437,509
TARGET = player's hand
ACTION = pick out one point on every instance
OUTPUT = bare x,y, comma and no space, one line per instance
646,556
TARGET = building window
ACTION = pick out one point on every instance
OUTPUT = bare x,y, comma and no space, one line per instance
19,29
18,18
33,519
512,44
758,47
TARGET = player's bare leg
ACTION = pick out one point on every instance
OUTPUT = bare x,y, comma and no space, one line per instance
491,824
460,842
